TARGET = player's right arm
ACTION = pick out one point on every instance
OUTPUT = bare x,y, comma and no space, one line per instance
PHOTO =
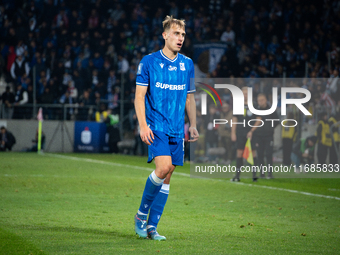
145,132
143,82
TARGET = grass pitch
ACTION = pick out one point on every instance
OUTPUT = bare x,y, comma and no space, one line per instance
84,204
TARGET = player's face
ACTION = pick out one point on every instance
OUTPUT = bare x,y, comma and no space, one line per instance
174,38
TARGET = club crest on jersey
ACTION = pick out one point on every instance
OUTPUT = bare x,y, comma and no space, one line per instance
182,67
172,68
161,64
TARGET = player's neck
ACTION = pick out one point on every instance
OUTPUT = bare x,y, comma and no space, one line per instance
169,53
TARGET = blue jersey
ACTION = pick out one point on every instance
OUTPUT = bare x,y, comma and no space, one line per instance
169,83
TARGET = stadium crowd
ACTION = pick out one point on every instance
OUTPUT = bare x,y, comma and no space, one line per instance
79,51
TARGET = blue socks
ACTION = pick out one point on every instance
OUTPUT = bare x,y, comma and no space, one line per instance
158,206
152,187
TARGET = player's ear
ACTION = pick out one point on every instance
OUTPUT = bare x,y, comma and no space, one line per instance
164,34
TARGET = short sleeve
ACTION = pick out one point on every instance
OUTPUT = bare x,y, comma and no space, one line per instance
191,81
143,78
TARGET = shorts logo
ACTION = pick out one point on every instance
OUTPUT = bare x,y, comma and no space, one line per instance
182,67
172,68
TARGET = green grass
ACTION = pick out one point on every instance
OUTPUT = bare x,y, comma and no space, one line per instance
61,205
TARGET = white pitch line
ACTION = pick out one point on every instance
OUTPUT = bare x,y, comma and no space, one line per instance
289,190
188,175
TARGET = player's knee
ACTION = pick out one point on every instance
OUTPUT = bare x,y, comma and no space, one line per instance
164,170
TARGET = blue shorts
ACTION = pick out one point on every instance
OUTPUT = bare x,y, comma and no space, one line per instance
164,145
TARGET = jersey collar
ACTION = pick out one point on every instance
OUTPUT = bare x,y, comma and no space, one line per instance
171,60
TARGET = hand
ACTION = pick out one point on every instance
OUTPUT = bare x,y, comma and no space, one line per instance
250,134
193,134
146,135
305,155
233,137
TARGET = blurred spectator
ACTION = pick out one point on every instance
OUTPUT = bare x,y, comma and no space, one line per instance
111,81
102,113
78,82
93,20
34,147
228,36
20,99
123,65
72,90
68,100
7,139
98,61
333,157
113,99
84,103
47,98
20,68
61,20
303,151
324,138
8,100
112,130
117,13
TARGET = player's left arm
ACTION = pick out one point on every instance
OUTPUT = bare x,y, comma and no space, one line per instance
190,107
190,104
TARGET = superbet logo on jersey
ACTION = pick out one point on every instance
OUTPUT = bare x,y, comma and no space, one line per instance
169,86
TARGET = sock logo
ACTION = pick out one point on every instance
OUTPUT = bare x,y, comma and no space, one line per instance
158,217
146,205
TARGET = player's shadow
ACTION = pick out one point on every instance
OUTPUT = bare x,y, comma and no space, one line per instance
71,229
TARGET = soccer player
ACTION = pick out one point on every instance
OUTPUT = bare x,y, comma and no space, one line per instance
163,93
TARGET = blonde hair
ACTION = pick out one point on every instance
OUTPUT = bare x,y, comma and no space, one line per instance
169,21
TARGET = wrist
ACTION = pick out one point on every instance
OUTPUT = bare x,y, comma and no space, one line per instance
144,126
